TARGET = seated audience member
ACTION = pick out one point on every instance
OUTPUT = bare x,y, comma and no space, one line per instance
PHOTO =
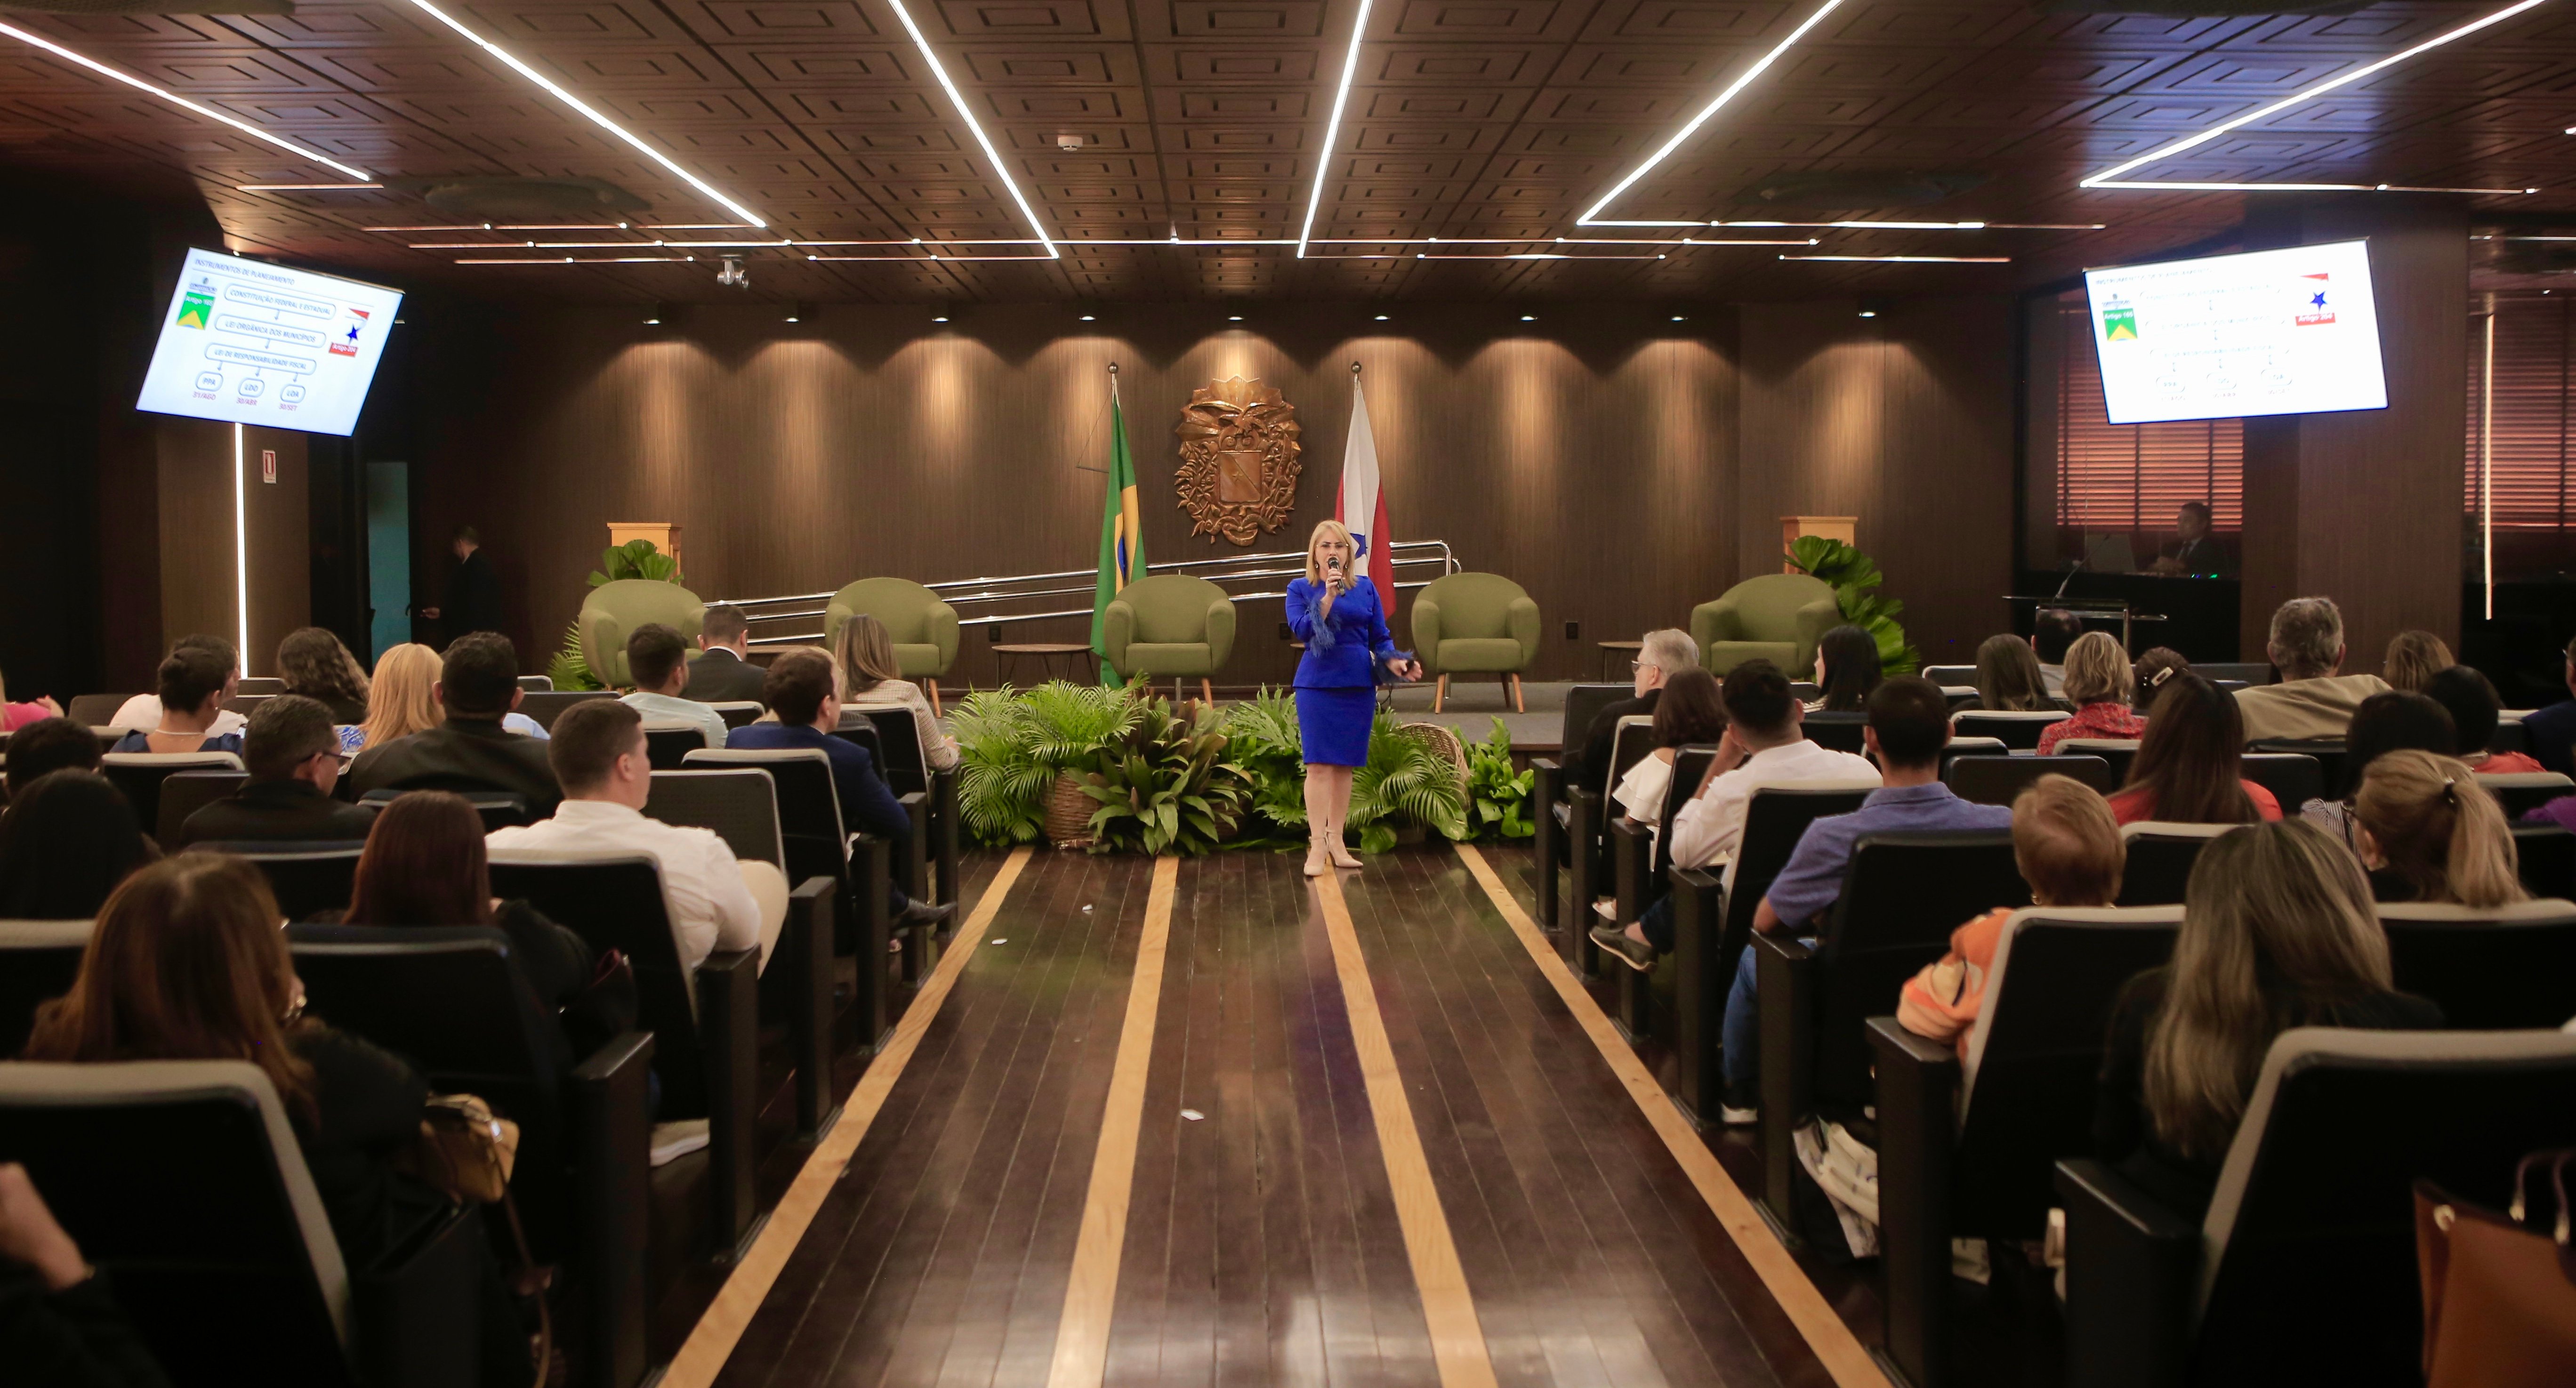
723,673
293,755
2069,850
1847,669
1689,712
312,662
2385,723
2054,630
478,682
2475,710
2097,683
1662,655
2312,700
195,682
799,691
716,900
403,699
2148,676
143,711
2551,731
2414,657
1909,723
49,744
68,839
2196,553
188,964
863,660
658,659
424,865
60,1326
2188,769
2009,679
2426,819
16,716
2277,932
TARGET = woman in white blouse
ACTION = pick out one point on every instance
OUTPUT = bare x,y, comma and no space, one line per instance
864,660
1688,712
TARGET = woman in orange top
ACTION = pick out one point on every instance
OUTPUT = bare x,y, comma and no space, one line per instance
2186,770
2475,709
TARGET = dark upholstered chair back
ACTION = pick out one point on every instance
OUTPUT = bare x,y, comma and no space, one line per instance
2018,730
307,878
616,903
2546,856
1996,780
2294,778
183,793
740,803
2491,969
809,809
1839,732
500,809
1690,763
1902,896
1582,701
898,749
2160,860
38,961
2329,754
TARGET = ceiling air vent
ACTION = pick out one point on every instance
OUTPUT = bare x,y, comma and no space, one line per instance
2201,9
521,199
1858,190
113,7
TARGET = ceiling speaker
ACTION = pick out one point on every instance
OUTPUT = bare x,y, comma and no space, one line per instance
521,199
1858,190
112,7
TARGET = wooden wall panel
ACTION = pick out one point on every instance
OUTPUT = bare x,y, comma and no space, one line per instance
199,591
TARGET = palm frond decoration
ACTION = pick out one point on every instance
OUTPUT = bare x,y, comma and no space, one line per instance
1405,779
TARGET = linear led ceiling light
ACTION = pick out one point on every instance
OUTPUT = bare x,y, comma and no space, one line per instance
595,118
1743,80
1333,129
184,103
967,114
2112,176
1912,259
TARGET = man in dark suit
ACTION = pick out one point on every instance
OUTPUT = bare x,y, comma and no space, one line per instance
477,684
2197,553
293,754
2552,730
723,672
473,591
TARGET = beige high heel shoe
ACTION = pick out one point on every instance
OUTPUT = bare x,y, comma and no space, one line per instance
1338,851
1317,863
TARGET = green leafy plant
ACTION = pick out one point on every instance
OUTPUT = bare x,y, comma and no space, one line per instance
1012,745
635,559
1262,738
569,668
1407,780
1164,786
1498,797
1853,575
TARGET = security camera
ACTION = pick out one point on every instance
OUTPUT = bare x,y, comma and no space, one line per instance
1068,142
733,276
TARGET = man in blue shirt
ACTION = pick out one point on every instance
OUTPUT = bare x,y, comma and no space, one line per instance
799,690
1909,723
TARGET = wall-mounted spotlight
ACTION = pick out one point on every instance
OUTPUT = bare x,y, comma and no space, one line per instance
1871,308
1677,318
799,311
1234,318
939,318
1529,317
1381,318
1088,318
731,274
657,314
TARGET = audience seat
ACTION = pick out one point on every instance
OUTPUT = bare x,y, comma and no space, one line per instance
1775,617
2521,792
2327,752
1587,827
1965,1149
1958,747
2546,857
2304,1269
907,772
140,774
307,878
2117,751
1712,919
2510,735
2256,673
38,961
500,809
1641,866
2491,968
1951,676
1840,732
740,713
740,804
2018,730
547,706
246,704
2294,778
921,626
182,1180
1996,780
1902,896
183,793
95,710
259,684
537,684
666,743
1548,790
1475,624
2161,854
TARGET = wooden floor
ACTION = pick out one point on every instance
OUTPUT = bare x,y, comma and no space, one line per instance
1258,1237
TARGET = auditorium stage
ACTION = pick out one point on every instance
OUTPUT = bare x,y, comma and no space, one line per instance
1166,1121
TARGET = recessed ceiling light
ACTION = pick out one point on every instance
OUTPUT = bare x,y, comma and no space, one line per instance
1001,168
940,319
1760,65
1234,318
1677,318
183,103
1381,318
1911,259
1086,318
1529,317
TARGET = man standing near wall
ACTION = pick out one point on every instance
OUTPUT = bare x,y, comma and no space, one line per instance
473,590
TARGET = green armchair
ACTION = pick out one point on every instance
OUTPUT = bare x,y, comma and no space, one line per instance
1169,624
1475,624
1777,617
613,611
922,628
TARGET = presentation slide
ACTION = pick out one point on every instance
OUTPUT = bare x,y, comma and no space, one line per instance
254,343
2268,332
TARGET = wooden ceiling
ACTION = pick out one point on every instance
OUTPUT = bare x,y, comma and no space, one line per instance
1493,123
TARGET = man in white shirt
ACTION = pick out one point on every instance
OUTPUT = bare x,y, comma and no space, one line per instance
658,660
143,712
715,901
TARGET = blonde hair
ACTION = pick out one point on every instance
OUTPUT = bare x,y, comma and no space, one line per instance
2277,925
400,701
2413,658
2439,829
2097,671
864,654
2067,844
1327,530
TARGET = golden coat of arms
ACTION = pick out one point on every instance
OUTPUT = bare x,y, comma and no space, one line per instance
1238,474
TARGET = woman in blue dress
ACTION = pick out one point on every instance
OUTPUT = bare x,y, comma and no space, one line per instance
1335,611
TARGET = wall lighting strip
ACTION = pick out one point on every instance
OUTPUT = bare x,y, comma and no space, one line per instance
595,118
1912,259
304,187
967,114
182,102
2203,187
2109,178
1760,66
588,260
241,552
1333,128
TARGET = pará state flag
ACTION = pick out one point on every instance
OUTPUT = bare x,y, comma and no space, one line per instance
1122,536
1361,506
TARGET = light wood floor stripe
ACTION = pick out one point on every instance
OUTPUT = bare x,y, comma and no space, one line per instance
721,1328
1457,1338
1834,1344
1091,1294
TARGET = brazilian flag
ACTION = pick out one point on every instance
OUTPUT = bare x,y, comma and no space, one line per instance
1122,536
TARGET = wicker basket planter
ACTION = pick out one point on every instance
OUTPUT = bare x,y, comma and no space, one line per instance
1068,813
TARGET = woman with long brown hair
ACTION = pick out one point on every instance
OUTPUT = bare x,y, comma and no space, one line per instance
2426,819
312,662
2009,679
2277,932
1687,713
863,660
2188,767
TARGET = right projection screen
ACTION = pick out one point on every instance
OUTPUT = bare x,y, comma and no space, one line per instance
2291,331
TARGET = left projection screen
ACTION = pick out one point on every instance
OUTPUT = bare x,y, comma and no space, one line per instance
252,343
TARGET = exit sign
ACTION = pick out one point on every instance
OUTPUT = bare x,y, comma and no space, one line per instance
268,465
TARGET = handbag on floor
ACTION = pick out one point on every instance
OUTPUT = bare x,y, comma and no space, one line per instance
2499,1290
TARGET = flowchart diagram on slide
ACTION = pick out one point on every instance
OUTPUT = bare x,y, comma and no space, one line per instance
255,343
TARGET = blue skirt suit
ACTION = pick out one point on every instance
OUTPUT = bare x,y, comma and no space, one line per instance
1337,679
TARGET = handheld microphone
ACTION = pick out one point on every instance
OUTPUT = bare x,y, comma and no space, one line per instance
1333,567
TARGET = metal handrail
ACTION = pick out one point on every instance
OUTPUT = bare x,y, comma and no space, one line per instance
1238,568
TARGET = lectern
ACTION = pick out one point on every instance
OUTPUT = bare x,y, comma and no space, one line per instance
1831,527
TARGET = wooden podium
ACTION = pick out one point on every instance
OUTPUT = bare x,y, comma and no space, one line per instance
1831,527
664,535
